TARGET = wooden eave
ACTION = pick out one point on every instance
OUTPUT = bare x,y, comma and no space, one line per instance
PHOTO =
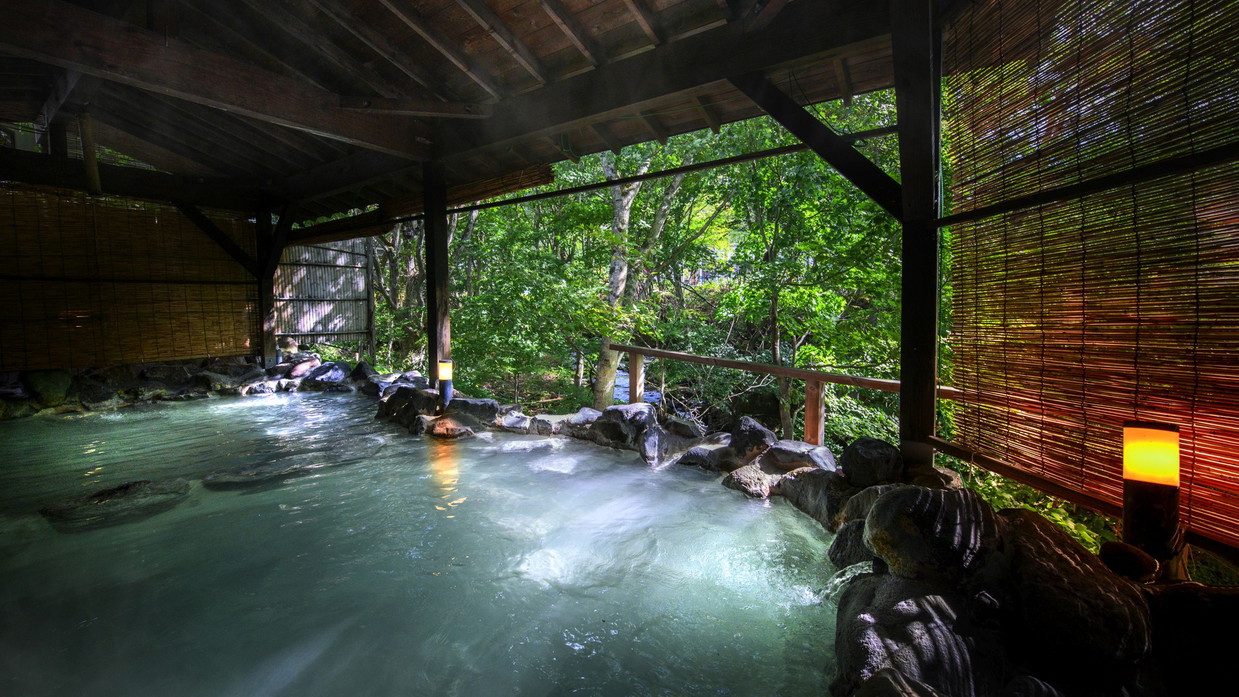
289,100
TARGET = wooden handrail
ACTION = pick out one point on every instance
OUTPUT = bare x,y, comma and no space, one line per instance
778,370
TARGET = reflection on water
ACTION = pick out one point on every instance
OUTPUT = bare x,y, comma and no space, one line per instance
508,565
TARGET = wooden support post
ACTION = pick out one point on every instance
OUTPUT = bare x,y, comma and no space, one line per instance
636,378
86,127
57,140
271,243
438,320
915,47
814,419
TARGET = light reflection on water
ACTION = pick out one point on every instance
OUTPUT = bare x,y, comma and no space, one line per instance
507,565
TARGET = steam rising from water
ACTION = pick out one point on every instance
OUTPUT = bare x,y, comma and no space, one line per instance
508,565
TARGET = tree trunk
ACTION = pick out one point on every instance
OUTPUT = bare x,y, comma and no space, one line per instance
785,389
604,379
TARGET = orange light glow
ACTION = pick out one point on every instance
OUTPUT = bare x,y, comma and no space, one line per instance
1151,452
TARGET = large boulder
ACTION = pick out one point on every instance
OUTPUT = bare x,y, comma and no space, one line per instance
712,457
1028,686
514,422
449,427
889,682
126,503
1067,610
1187,619
788,455
749,439
212,381
94,394
419,403
548,424
750,480
485,411
870,461
363,372
578,425
934,477
167,374
630,427
820,494
849,546
328,373
49,388
857,507
303,365
917,629
932,533
682,427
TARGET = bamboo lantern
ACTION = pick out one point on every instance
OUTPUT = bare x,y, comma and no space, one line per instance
445,382
1151,488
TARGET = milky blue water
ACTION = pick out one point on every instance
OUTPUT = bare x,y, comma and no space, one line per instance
501,565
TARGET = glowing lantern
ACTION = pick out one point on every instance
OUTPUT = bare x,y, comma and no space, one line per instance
445,382
1151,453
1151,492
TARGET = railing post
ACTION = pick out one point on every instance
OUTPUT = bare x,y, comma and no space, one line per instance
636,378
814,421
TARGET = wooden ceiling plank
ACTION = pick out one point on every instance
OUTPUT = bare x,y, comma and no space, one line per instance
416,107
844,78
345,174
707,112
605,134
413,19
563,143
762,14
519,50
828,145
573,30
801,31
63,34
381,45
644,16
650,121
229,34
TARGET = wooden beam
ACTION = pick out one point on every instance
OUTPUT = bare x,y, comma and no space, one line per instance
520,52
644,16
844,78
381,45
563,143
607,137
347,173
801,31
650,121
636,378
814,417
219,237
62,89
438,317
63,34
90,155
416,107
49,170
574,31
763,13
828,145
413,19
915,48
708,113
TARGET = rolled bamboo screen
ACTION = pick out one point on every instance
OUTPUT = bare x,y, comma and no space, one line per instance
322,294
96,281
1072,316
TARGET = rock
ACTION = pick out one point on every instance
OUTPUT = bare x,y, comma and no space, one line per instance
215,382
449,427
280,370
515,422
914,628
17,408
931,533
1128,561
751,480
394,401
750,439
419,403
257,388
374,387
169,374
342,389
935,477
1028,686
363,372
128,502
548,424
48,387
303,367
485,411
889,682
288,385
870,461
819,493
849,547
630,427
788,455
683,427
857,507
1068,609
709,456
94,394
234,367
1187,619
415,379
11,386
578,425
257,475
329,372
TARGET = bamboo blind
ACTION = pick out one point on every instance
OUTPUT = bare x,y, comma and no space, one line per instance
322,293
95,281
1073,316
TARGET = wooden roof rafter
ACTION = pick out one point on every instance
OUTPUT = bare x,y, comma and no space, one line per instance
413,19
516,48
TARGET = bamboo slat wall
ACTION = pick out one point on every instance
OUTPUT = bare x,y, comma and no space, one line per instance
1073,316
322,294
95,281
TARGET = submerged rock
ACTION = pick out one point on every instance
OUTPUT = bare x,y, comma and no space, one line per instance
257,475
870,461
931,533
126,503
450,427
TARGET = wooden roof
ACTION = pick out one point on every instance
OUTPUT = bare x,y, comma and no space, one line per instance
333,104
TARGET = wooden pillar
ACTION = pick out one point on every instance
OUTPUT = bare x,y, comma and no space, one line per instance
57,139
915,45
271,243
438,319
814,419
90,160
636,378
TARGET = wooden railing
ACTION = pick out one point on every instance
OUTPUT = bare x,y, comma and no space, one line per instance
814,422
